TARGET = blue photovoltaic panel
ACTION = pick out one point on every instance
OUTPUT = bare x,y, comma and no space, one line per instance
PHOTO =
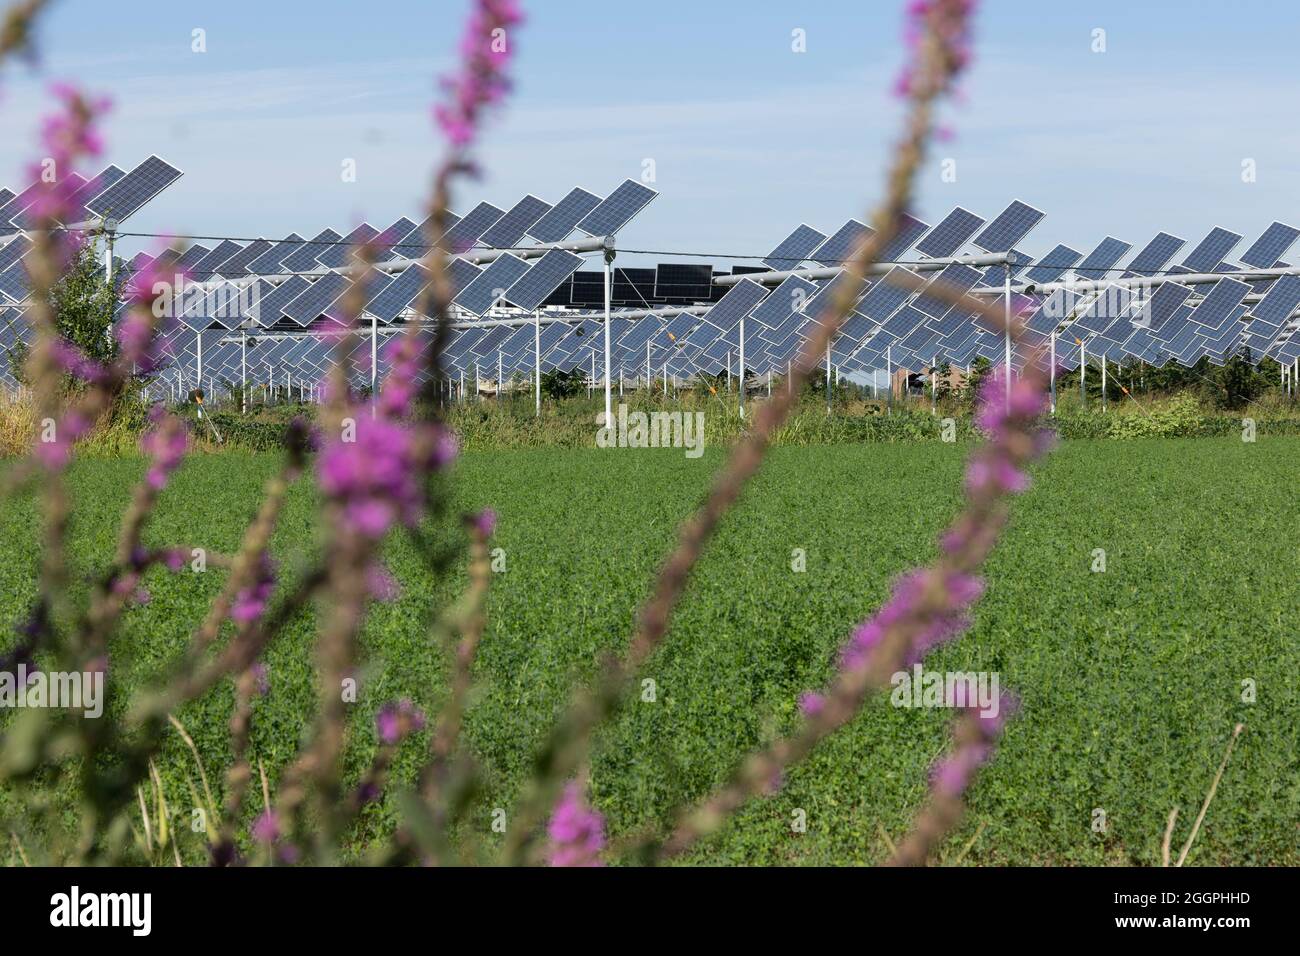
617,209
910,229
13,282
1008,227
462,273
1211,250
1101,260
735,305
304,258
16,204
317,299
206,268
953,278
951,234
342,252
542,278
1219,303
888,293
13,251
190,256
794,248
1271,246
398,294
23,218
506,232
1276,307
466,232
903,322
840,247
237,265
268,263
133,190
1164,303
415,244
558,224
1154,255
1053,265
485,291
390,237
792,295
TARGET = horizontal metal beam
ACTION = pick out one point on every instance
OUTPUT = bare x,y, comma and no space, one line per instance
879,268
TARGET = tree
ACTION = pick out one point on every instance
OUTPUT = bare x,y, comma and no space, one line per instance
83,304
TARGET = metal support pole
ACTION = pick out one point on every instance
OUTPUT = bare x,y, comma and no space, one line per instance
828,377
198,360
243,368
889,378
934,385
1083,374
537,365
1006,311
374,362
609,279
1051,372
649,380
1103,381
500,379
740,368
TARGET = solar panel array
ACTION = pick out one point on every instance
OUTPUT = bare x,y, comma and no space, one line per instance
904,316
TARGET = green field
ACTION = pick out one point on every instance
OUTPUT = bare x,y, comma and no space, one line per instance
1130,680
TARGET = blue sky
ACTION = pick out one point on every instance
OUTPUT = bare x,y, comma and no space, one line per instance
748,138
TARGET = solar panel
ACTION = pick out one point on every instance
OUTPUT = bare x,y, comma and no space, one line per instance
490,285
558,224
951,234
14,250
1102,259
1271,246
342,253
1276,307
304,258
130,193
318,298
1163,304
268,263
735,305
466,232
1219,303
839,248
910,229
542,278
269,307
190,256
398,294
237,265
1008,227
1155,254
684,280
954,279
1052,266
386,240
888,293
617,209
794,248
510,228
1211,250
792,295
25,220
206,268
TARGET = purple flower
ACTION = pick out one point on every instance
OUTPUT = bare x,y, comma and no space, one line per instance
250,602
950,20
165,444
485,51
485,522
811,703
67,136
55,453
260,679
266,828
398,720
576,831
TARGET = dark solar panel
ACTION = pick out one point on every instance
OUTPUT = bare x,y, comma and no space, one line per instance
684,280
542,278
304,258
490,286
558,224
794,248
1211,250
506,232
1271,246
1101,260
1155,254
910,229
951,234
343,252
1008,227
617,209
133,190
466,232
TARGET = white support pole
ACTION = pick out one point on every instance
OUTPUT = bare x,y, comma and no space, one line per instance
609,278
1083,373
789,379
728,369
740,368
537,365
828,377
462,385
889,379
500,380
1103,381
374,362
649,376
198,360
934,385
1051,371
1006,315
243,369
